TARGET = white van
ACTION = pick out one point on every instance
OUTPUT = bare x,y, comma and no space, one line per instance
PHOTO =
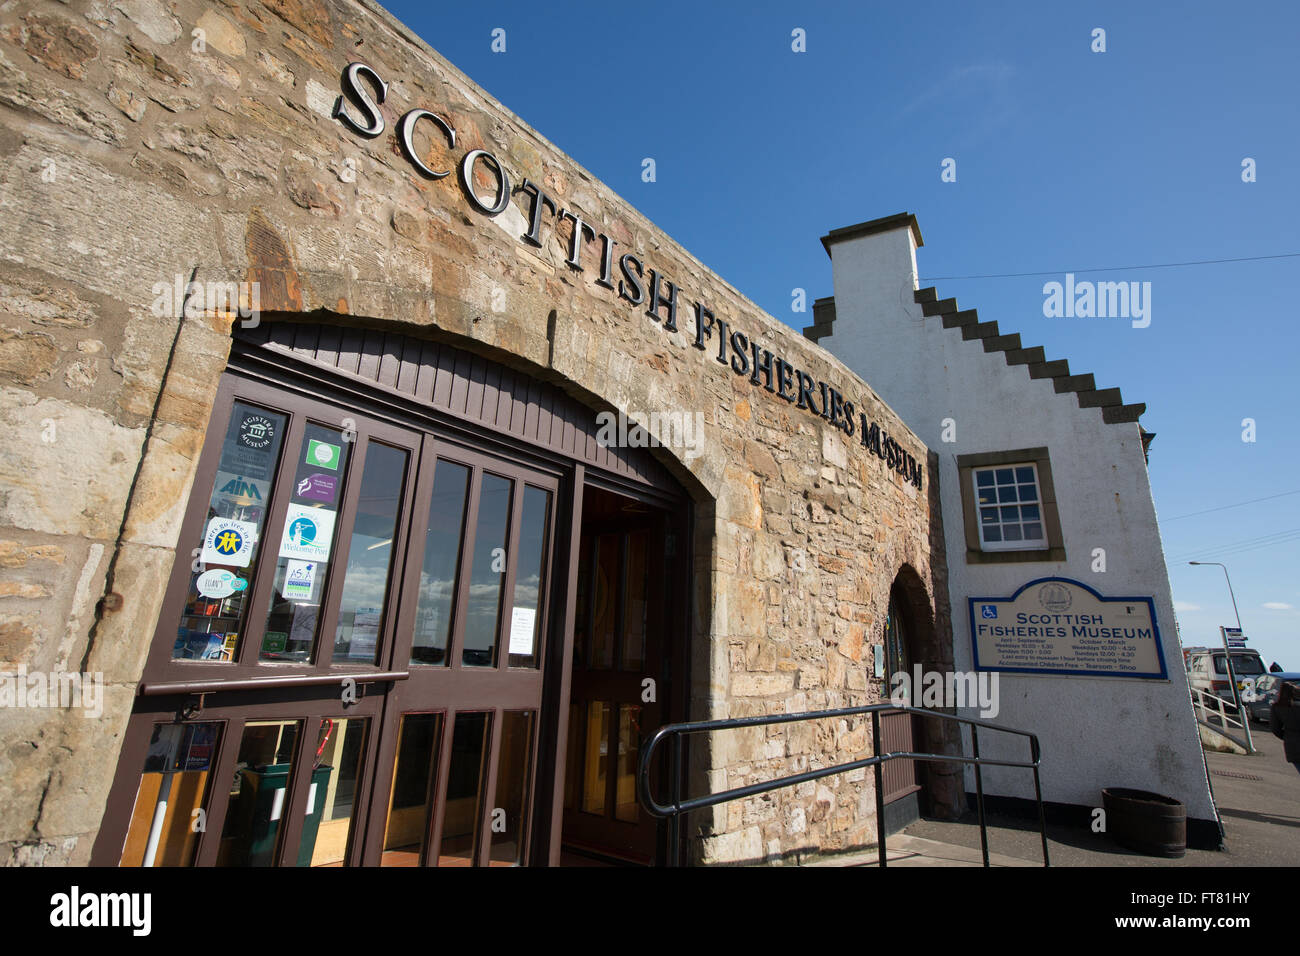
1207,670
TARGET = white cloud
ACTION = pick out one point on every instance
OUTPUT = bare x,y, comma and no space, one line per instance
1278,606
1186,606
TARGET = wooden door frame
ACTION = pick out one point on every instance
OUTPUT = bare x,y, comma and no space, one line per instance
290,380
674,679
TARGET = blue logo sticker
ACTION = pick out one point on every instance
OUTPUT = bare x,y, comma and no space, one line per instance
988,611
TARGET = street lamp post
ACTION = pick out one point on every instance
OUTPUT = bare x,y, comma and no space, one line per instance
1227,656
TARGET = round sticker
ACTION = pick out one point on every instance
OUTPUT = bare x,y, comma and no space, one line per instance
219,584
256,431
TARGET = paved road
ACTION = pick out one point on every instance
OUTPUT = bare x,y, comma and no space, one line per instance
1258,798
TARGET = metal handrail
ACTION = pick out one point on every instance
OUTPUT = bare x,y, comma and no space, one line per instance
674,810
1198,699
1203,712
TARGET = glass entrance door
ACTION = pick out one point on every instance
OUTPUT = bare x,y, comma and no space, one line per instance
617,659
458,758
350,668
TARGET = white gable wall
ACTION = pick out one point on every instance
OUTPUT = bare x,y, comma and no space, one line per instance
1095,732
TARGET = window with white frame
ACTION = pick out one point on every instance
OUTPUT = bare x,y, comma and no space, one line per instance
1010,514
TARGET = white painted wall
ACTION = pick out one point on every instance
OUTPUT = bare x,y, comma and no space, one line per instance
1095,732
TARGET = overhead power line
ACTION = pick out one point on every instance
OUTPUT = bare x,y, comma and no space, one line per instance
1236,505
1239,547
1154,265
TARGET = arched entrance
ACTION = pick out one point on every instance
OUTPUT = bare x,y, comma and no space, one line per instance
912,645
370,658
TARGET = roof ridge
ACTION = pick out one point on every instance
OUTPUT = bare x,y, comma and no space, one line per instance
1084,386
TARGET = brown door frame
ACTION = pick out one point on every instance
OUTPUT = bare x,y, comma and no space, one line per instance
674,677
235,709
294,385
453,688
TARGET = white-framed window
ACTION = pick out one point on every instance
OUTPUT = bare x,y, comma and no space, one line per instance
1009,504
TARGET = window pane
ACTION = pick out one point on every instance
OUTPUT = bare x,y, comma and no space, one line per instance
306,545
513,768
231,546
604,609
488,572
1028,493
573,768
332,801
416,766
635,610
1011,532
1029,512
1025,474
467,774
173,785
1006,493
441,568
581,617
596,760
989,515
530,578
1004,476
1010,514
629,747
993,533
1033,532
984,479
370,555
263,778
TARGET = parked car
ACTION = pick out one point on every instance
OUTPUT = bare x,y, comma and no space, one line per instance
1207,670
1266,689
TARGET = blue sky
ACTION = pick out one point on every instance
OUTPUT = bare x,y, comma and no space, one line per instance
1066,160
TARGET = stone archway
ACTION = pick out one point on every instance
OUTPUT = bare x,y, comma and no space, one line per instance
942,784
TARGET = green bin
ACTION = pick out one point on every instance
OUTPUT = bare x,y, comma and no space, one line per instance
257,833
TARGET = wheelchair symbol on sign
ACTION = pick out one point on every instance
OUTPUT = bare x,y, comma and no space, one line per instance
988,611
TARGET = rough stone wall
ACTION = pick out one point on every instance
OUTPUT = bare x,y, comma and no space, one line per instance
133,154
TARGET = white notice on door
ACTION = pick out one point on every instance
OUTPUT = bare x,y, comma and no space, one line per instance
522,623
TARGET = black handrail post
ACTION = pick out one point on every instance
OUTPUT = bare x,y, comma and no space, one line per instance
881,855
675,824
979,791
1035,756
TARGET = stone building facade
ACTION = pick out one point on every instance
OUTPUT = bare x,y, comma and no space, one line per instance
180,178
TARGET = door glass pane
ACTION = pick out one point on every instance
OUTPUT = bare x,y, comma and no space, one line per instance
513,767
604,605
172,788
629,747
530,578
416,767
333,798
581,626
635,610
258,794
488,572
231,543
465,778
306,545
370,555
441,563
596,761
574,766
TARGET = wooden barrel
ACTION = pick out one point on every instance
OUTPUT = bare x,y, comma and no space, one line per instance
1146,822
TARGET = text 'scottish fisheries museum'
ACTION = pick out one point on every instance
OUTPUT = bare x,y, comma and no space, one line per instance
321,381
